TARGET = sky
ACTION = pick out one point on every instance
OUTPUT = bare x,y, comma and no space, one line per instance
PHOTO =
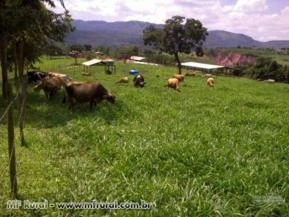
263,20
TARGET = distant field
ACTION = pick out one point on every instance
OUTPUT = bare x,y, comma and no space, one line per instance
281,58
221,151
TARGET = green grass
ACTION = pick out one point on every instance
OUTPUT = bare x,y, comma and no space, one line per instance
201,152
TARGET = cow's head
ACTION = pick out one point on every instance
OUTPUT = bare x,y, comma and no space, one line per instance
141,84
109,97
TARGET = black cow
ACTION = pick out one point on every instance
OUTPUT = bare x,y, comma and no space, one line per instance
92,92
139,81
36,76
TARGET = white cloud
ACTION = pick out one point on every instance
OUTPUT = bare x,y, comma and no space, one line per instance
249,6
251,17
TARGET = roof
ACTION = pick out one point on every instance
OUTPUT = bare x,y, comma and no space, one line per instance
99,53
92,62
144,63
97,61
107,60
136,58
201,65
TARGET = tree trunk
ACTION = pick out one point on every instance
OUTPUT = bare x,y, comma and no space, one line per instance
21,91
11,147
178,62
7,96
3,60
15,67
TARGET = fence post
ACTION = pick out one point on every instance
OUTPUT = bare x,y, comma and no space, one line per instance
11,146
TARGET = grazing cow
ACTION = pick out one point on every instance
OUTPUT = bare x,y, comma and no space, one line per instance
190,74
179,77
208,76
86,73
174,83
139,81
210,82
36,76
92,92
269,81
50,86
123,80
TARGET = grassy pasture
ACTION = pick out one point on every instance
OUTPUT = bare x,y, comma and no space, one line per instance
221,151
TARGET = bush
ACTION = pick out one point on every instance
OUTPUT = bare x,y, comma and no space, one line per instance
238,71
266,68
90,55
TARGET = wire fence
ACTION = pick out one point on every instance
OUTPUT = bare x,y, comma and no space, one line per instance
7,108
50,64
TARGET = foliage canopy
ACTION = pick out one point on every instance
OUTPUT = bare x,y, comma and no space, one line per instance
178,35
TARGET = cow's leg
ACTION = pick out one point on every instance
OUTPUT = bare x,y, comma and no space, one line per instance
46,94
72,102
51,94
54,92
64,99
91,104
94,102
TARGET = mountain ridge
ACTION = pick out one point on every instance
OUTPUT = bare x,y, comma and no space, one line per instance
122,33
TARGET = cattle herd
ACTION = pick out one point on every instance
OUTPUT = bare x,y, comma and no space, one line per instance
92,92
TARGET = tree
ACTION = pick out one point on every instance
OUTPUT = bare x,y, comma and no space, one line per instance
76,47
177,36
33,16
75,54
87,47
103,49
7,96
25,24
52,49
126,51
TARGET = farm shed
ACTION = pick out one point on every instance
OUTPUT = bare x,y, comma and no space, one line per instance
202,66
137,58
108,64
99,53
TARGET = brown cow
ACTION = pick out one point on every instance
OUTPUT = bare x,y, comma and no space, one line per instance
190,74
92,92
50,86
86,73
123,80
210,82
208,76
174,83
269,81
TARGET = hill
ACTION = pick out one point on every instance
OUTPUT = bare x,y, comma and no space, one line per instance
219,38
104,33
107,34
